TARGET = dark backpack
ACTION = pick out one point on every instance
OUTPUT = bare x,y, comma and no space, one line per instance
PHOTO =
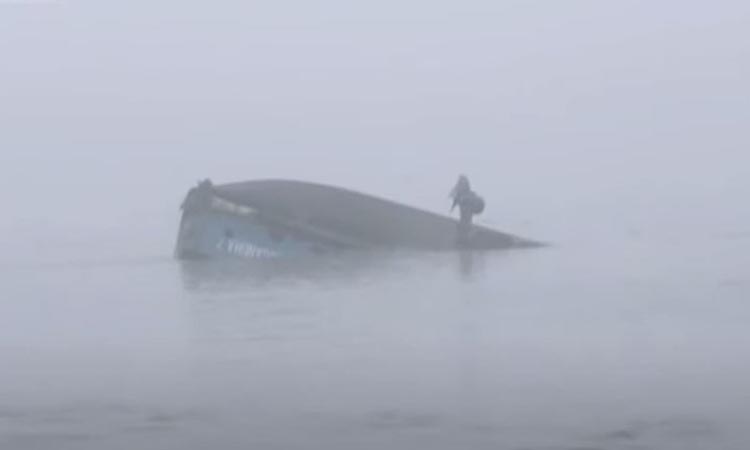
477,204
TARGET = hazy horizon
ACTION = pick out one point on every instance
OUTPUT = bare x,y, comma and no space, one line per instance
616,131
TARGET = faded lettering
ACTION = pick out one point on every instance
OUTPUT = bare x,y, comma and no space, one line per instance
245,249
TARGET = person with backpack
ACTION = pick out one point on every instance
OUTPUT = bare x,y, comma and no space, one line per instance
469,204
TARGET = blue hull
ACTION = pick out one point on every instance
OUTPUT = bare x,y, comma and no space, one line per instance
212,234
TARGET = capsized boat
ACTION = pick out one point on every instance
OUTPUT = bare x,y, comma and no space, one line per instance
265,219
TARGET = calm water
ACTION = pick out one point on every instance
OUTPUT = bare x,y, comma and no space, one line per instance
628,343
616,130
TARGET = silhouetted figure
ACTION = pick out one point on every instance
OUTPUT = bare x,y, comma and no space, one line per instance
469,204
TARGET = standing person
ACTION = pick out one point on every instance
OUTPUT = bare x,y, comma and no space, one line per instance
469,204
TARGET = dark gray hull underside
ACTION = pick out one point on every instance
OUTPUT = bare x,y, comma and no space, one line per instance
358,220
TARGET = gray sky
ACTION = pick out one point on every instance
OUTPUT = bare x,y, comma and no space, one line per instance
567,114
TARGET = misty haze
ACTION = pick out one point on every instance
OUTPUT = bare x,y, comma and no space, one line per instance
615,133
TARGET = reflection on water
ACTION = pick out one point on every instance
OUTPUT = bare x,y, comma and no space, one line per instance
344,268
341,268
616,348
239,274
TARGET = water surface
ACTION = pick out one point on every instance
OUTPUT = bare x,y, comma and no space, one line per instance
621,344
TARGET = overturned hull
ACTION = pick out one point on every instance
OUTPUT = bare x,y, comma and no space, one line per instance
267,219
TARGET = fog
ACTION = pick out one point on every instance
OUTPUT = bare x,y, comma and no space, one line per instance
616,131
